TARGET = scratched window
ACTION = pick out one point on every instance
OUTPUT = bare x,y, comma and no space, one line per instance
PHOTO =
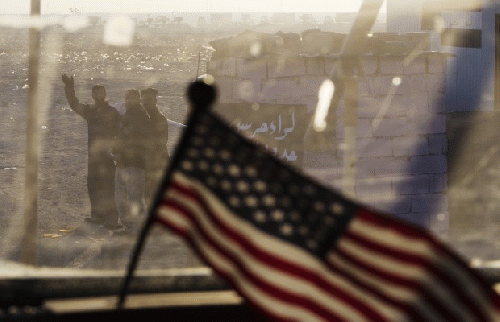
392,103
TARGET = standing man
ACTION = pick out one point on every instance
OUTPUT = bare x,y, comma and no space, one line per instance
102,126
130,155
157,148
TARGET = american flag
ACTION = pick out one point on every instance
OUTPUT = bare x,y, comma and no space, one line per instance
298,251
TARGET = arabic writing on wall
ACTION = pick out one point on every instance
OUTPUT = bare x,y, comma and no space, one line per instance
280,131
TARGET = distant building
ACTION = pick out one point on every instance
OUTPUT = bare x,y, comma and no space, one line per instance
469,33
246,18
221,18
94,20
284,18
345,17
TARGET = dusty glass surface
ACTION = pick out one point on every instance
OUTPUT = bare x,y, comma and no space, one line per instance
411,131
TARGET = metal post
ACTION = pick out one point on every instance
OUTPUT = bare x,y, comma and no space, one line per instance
29,239
350,134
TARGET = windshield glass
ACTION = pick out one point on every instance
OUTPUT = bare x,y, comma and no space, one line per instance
93,104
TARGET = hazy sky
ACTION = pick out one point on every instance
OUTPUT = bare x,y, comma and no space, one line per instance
138,6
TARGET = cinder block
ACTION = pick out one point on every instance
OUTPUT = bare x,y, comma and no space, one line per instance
315,65
311,102
407,105
248,90
225,88
283,66
310,84
417,83
365,167
409,146
391,127
429,204
438,182
436,64
281,89
373,147
419,219
432,164
379,85
364,128
415,66
370,65
368,106
397,206
435,83
431,124
330,65
438,144
391,65
436,103
407,84
251,68
390,166
212,67
222,67
375,189
411,185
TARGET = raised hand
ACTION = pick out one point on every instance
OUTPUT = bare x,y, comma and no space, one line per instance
68,81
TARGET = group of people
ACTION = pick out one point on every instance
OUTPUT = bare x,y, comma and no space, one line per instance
127,154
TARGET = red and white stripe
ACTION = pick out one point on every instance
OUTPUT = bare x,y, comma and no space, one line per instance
354,284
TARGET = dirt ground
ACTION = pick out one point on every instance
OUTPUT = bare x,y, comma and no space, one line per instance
167,62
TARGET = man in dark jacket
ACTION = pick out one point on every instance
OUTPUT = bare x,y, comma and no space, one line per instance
157,148
102,126
130,156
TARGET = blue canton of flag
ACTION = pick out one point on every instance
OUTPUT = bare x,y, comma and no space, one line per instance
298,251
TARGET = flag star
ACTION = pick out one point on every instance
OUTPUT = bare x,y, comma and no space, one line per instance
234,170
209,153
203,165
286,229
242,186
226,185
251,201
225,155
187,165
260,185
337,208
218,169
251,171
234,201
269,200
278,215
312,244
259,216
303,230
197,140
319,206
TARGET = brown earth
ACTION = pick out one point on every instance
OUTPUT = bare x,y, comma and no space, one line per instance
166,61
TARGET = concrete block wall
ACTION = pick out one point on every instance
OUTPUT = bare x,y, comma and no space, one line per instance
401,125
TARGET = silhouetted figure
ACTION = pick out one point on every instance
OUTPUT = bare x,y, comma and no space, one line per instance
130,156
157,148
102,125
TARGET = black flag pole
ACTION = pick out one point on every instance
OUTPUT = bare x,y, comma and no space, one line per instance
201,95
